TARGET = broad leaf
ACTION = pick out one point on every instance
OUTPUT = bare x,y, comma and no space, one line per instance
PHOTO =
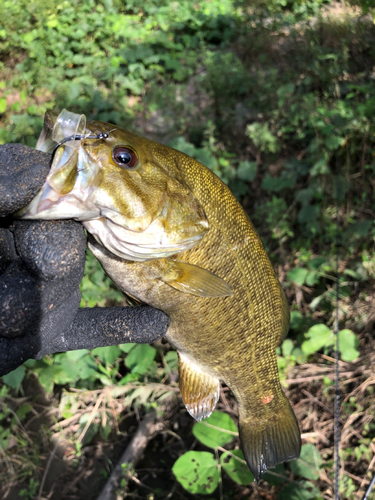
140,358
304,490
14,378
297,275
309,463
198,472
348,344
236,469
319,336
275,476
217,430
107,355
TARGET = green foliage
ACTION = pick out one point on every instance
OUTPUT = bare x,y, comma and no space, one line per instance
303,490
236,469
14,378
320,336
278,104
140,358
217,430
194,468
309,463
96,288
197,471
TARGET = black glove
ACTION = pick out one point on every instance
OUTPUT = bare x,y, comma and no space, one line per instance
41,266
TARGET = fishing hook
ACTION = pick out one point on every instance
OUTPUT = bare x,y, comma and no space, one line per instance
79,137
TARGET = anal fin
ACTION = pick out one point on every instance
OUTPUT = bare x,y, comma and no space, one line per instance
200,392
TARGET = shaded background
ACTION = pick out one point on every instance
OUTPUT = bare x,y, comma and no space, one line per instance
277,98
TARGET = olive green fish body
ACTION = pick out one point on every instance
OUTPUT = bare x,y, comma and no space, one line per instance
170,233
232,339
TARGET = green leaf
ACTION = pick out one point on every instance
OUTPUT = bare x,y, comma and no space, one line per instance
236,469
198,472
107,355
297,275
275,476
295,319
127,347
14,378
217,430
340,187
3,105
319,336
315,264
140,358
334,142
303,490
88,368
48,375
348,343
23,410
76,355
288,347
171,359
5,436
319,168
247,170
309,463
312,278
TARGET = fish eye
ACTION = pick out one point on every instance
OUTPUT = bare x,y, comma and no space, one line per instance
125,157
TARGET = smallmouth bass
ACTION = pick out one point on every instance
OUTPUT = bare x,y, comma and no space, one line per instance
171,234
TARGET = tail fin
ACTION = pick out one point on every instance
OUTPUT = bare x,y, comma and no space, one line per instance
271,442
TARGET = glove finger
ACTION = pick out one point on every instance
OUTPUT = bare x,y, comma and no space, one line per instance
107,326
52,250
23,171
14,352
7,249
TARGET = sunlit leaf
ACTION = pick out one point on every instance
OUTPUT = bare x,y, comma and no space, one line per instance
348,344
236,469
217,430
319,336
197,471
140,358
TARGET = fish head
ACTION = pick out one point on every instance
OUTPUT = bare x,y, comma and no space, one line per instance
113,182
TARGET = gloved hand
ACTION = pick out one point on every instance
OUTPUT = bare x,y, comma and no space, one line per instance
41,266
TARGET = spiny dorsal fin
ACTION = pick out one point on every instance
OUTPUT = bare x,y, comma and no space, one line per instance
195,280
200,392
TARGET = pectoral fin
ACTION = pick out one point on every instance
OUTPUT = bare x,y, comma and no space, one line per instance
200,392
195,280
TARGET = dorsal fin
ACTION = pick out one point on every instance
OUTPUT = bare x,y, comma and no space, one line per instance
200,392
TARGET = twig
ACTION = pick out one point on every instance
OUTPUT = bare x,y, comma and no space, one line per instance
91,418
131,455
51,457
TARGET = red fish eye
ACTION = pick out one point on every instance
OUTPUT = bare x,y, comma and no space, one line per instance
125,157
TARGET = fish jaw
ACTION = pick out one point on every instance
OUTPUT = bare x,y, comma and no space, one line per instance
68,189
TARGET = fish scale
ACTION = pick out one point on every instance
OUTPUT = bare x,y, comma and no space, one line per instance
227,309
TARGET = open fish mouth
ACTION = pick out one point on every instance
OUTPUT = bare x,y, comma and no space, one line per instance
154,223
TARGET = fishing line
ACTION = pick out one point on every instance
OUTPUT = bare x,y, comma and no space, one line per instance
78,137
337,351
368,491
